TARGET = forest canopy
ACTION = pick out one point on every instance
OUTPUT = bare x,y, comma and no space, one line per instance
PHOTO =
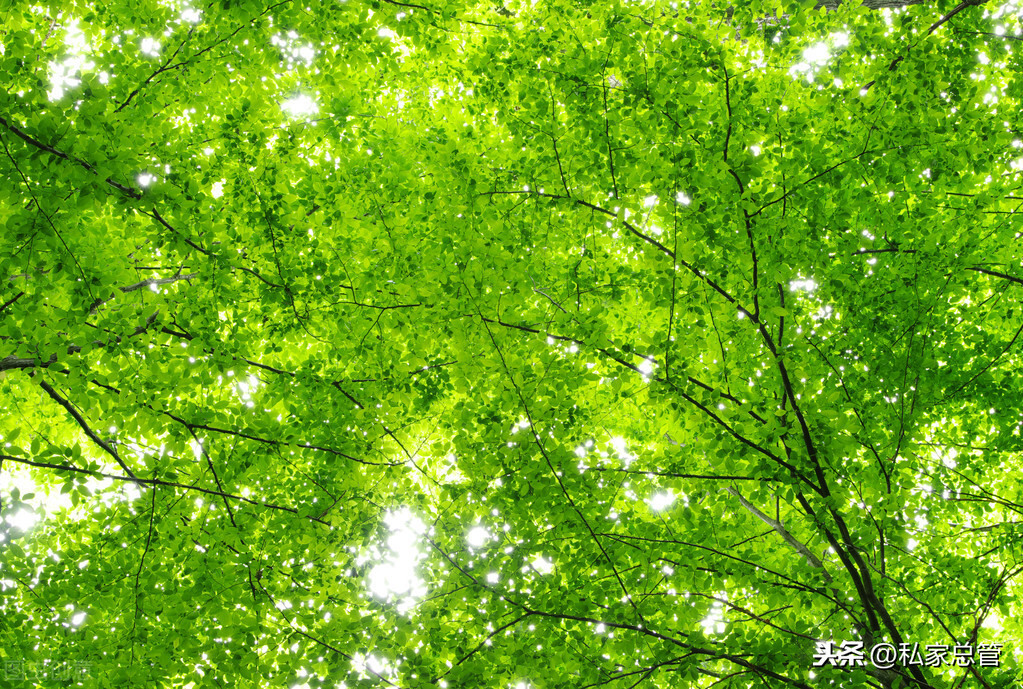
365,343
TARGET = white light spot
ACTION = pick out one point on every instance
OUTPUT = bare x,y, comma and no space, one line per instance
300,106
542,565
23,519
817,54
396,575
150,47
807,285
65,74
621,449
477,536
661,501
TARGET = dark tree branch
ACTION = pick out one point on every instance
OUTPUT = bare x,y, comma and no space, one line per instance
153,282
959,8
85,426
129,191
153,482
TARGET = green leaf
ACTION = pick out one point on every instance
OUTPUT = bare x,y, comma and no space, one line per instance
416,340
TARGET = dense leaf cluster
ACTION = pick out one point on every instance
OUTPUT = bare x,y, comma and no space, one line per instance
544,344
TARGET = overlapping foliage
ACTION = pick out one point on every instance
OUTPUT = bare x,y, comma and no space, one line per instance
544,344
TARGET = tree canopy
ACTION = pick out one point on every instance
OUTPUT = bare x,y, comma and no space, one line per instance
547,344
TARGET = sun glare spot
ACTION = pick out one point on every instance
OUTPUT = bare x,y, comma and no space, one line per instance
23,520
817,54
542,565
801,285
621,449
661,501
477,536
300,106
65,74
395,576
150,47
